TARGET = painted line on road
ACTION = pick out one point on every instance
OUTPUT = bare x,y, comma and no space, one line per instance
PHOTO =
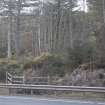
101,103
71,101
52,100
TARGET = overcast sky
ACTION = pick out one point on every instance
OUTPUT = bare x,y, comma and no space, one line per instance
81,3
80,6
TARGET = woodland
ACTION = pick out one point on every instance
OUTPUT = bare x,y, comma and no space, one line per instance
51,37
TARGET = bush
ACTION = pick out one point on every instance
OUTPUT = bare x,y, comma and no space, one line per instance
47,64
3,52
79,55
11,66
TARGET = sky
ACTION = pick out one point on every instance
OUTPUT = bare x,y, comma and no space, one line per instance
83,8
80,3
80,6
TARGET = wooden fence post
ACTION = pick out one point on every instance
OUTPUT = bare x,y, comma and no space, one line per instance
6,77
23,79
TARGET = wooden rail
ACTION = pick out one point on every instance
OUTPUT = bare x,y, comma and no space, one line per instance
11,79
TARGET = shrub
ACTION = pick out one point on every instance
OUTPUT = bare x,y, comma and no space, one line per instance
80,54
50,64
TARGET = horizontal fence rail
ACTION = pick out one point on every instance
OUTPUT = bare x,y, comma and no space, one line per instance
14,79
10,79
54,87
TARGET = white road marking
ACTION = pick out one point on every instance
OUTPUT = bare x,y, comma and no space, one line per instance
52,100
101,103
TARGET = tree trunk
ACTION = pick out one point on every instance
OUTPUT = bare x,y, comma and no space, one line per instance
9,52
70,25
9,37
17,35
103,6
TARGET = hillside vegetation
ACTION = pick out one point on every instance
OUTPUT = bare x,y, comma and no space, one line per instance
53,38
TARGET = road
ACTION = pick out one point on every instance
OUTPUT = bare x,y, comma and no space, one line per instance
12,100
